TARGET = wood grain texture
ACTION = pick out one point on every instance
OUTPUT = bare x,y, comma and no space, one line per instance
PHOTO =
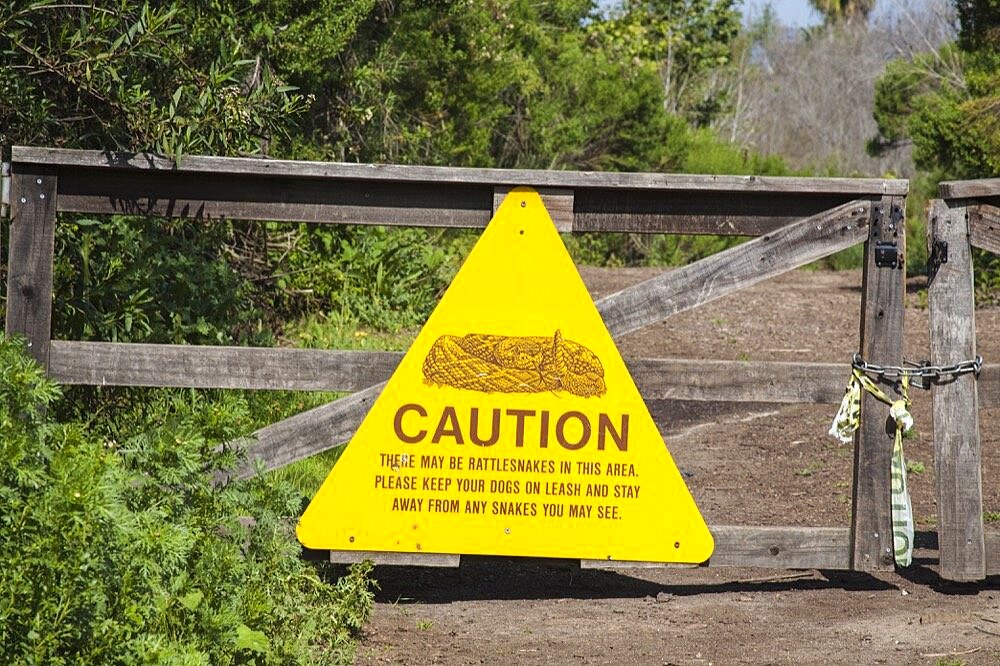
213,196
558,203
883,290
29,276
696,212
969,189
957,457
121,364
432,204
742,266
739,381
118,364
772,547
396,173
306,434
984,227
395,559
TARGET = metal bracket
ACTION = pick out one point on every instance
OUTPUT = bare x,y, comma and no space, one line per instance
887,254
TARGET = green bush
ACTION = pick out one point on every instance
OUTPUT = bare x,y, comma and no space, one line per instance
129,279
118,548
387,278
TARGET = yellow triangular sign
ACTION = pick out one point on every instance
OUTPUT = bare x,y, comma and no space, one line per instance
511,426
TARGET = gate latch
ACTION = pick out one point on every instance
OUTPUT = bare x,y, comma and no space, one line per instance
886,254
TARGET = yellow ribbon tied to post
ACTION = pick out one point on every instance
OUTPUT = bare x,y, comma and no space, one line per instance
848,420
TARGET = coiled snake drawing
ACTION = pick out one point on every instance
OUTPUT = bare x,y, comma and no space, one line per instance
514,364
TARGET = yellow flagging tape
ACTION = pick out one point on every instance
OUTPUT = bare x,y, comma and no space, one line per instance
848,420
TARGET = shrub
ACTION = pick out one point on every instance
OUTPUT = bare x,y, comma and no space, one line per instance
118,547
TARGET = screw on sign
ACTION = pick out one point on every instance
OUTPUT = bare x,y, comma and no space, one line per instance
511,426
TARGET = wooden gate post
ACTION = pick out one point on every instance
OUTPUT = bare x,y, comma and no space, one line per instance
961,549
29,265
883,289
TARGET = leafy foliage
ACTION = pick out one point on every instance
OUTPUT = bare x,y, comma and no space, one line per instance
132,280
118,547
167,76
511,83
684,40
947,102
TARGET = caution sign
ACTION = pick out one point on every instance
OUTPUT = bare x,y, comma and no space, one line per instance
511,426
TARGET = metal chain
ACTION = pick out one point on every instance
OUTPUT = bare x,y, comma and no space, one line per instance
923,370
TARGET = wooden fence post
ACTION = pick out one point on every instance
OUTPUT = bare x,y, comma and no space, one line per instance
957,463
29,266
883,290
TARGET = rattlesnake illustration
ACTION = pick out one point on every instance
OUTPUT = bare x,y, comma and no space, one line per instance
514,364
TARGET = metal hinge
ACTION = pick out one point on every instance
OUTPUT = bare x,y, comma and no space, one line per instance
4,188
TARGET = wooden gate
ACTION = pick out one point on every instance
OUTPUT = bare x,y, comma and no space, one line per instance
967,215
794,221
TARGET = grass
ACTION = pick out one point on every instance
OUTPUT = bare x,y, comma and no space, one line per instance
331,332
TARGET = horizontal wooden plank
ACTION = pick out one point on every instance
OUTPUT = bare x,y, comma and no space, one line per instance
212,196
739,381
395,559
984,227
558,203
742,266
120,364
969,189
696,212
437,174
736,546
773,547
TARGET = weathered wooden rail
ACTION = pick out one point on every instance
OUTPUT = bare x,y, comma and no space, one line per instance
967,215
794,221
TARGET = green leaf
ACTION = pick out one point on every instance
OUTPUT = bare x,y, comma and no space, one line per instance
248,639
192,600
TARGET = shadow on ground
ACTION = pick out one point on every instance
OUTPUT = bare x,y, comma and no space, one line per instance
509,578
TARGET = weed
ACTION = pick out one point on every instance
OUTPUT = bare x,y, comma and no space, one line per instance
915,467
991,516
424,625
141,548
809,469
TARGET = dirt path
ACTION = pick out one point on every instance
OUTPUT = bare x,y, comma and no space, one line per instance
749,463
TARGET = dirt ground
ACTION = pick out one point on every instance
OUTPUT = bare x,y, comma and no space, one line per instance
746,464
